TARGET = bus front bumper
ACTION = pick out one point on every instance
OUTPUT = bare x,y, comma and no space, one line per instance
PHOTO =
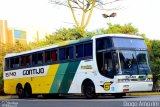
134,87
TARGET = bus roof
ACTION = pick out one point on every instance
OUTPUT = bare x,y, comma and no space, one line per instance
70,42
118,35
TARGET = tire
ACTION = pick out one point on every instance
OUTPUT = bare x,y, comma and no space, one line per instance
27,92
89,90
20,92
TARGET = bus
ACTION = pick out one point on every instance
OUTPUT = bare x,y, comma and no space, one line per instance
109,64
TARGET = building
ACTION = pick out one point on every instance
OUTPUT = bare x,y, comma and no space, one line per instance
17,35
11,35
4,36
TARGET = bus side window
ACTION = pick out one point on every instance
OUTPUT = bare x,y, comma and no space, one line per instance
11,62
6,63
28,60
34,59
54,55
23,60
47,56
62,54
88,49
69,52
79,51
16,62
40,58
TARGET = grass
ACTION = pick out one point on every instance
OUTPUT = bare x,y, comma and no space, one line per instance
143,94
7,96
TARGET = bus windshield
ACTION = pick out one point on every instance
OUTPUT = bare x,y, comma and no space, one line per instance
122,56
134,62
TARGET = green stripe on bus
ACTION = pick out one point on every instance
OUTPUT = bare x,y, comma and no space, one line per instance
58,78
68,77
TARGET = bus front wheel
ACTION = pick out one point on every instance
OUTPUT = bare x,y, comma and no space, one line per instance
89,90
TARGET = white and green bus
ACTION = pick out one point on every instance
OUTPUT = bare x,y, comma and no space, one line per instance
99,65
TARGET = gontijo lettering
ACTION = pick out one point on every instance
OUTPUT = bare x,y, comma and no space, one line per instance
33,71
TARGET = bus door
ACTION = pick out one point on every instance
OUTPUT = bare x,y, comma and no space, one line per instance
110,63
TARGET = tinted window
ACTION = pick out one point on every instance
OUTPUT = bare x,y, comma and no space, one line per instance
88,49
54,55
34,58
108,65
40,58
69,52
7,63
48,56
25,60
62,54
11,62
16,62
79,51
103,43
129,43
28,60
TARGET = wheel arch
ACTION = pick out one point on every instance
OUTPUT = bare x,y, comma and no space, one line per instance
19,85
87,80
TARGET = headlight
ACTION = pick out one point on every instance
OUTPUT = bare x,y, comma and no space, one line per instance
150,76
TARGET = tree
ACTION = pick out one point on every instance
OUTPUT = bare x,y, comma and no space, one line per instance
6,49
155,58
120,29
85,7
60,35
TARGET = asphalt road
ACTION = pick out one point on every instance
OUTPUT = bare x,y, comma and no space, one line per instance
131,101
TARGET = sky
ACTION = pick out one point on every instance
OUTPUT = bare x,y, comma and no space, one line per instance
39,15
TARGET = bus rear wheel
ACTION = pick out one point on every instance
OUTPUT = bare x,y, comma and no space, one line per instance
89,90
27,91
20,92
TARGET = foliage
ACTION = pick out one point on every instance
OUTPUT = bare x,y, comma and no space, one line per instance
6,49
155,58
120,29
60,35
